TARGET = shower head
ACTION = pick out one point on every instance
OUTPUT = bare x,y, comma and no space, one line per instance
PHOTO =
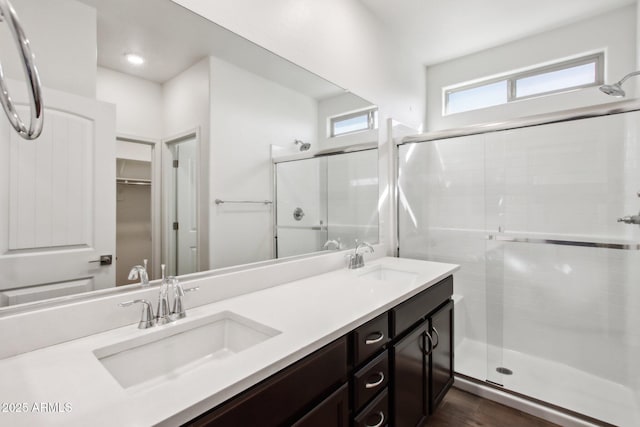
616,88
613,90
304,146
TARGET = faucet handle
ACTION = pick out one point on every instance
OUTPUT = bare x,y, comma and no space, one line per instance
178,311
146,319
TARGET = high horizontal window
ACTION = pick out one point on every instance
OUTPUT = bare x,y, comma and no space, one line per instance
556,78
354,122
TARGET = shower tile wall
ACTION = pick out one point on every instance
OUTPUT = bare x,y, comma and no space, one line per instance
572,305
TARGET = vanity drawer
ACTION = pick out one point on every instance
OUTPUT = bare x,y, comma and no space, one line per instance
285,395
413,310
370,338
376,414
369,380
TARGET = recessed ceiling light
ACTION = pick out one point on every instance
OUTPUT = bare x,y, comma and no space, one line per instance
134,59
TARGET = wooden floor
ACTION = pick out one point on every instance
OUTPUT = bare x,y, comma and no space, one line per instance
462,409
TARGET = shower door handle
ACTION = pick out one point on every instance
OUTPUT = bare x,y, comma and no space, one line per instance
632,219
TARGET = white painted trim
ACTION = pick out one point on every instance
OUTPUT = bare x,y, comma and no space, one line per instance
167,180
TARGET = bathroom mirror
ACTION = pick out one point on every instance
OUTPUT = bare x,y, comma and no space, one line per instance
180,167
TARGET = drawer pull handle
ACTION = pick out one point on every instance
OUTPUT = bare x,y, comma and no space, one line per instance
379,423
426,353
376,383
369,341
437,337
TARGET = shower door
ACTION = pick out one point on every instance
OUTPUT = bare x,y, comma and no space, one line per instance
301,206
548,297
562,272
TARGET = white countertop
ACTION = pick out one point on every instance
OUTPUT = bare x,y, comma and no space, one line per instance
77,390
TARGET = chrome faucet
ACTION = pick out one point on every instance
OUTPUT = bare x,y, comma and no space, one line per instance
336,243
356,259
146,319
178,311
163,315
141,272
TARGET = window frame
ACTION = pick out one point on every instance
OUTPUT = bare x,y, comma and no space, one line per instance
513,78
371,121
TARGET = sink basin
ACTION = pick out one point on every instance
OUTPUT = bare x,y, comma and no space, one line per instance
167,353
380,272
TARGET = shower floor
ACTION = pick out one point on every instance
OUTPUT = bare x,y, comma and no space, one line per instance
552,382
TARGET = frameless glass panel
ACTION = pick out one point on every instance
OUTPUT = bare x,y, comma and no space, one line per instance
352,204
441,217
580,75
478,97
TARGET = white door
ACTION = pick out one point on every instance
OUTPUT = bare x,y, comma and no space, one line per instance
57,200
185,203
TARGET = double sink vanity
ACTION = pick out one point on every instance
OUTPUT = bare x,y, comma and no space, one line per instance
371,345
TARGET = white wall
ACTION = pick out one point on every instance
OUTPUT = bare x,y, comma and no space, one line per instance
614,31
186,108
248,114
139,102
61,32
340,40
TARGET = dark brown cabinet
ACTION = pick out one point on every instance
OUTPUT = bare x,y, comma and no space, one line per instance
333,411
410,379
391,371
423,368
442,354
287,395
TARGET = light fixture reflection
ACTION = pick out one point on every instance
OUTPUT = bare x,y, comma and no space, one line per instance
134,59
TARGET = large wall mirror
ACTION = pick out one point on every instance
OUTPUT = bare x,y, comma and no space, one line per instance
181,144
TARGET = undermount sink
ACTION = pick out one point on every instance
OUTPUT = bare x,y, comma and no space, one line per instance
380,272
165,354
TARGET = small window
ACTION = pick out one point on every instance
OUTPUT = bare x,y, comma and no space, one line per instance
556,78
474,98
354,122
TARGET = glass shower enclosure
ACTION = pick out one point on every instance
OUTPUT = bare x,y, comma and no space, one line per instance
543,221
326,202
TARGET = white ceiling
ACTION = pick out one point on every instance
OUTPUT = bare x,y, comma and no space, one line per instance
171,39
439,30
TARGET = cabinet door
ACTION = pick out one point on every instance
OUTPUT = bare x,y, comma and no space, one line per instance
410,385
333,411
441,330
